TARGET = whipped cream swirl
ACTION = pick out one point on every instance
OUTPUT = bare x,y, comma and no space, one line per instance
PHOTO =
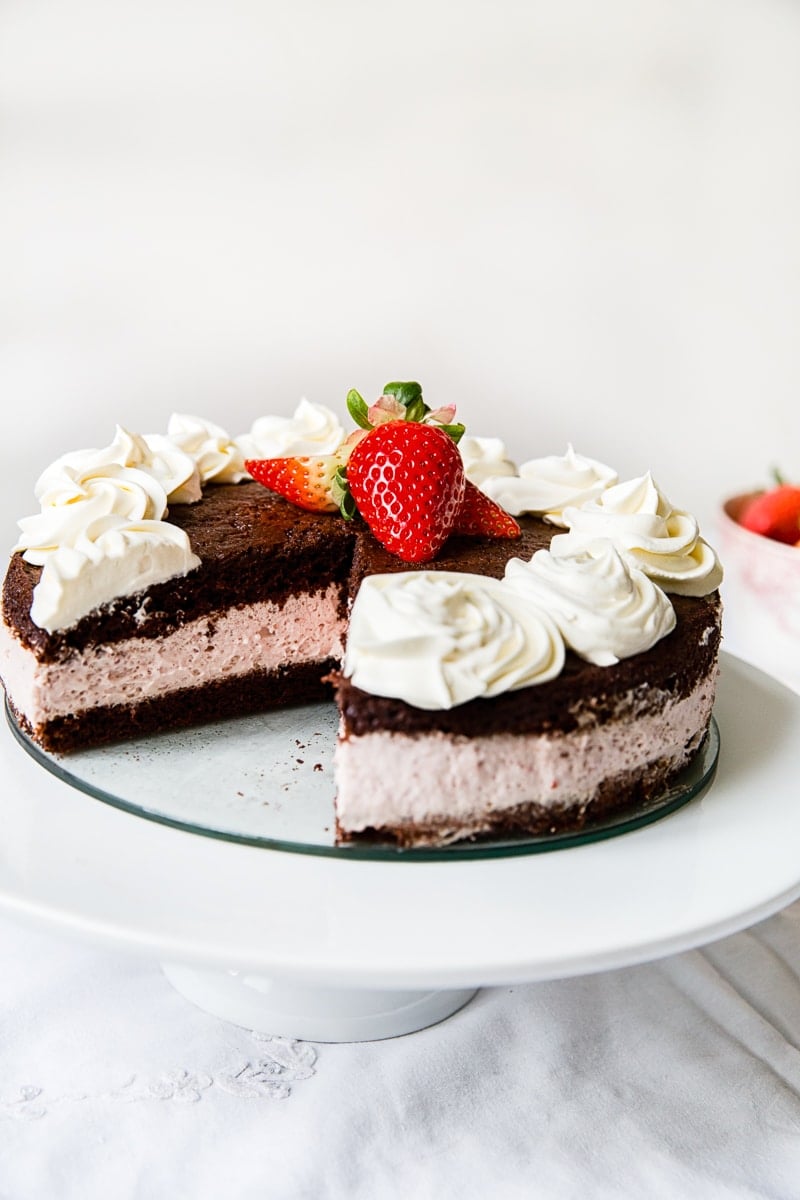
436,639
156,455
313,429
109,560
100,531
546,486
216,455
605,609
485,458
660,540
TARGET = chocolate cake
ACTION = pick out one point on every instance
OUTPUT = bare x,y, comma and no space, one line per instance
250,605
592,741
256,625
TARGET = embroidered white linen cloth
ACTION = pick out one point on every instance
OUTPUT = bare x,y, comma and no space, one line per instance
679,1078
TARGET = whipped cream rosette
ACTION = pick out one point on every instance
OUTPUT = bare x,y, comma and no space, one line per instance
88,501
546,486
217,455
109,560
312,429
163,460
604,608
660,540
436,639
485,458
100,531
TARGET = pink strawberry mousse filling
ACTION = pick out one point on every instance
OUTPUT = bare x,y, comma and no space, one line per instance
263,636
389,780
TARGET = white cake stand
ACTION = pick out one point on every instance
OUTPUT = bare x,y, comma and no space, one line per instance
332,949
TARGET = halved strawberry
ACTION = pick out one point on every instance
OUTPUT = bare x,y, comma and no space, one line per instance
775,514
306,481
313,482
480,516
407,480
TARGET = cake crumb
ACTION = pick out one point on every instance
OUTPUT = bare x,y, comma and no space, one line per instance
318,766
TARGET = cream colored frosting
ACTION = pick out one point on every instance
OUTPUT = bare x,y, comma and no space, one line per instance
436,639
605,609
217,455
313,429
660,540
100,531
163,460
546,486
118,560
485,458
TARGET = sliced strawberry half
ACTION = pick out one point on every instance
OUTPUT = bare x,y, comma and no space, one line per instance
307,481
314,482
480,516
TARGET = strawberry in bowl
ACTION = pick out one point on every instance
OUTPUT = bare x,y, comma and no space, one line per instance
760,546
774,513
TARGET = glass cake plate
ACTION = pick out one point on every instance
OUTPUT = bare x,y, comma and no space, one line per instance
268,780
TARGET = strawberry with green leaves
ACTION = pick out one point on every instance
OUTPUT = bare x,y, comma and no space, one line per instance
401,470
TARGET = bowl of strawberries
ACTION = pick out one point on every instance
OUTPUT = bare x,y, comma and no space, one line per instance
760,547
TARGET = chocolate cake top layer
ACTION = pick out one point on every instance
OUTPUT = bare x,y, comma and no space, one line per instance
483,556
252,544
675,666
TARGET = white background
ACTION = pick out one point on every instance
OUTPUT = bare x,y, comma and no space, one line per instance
578,221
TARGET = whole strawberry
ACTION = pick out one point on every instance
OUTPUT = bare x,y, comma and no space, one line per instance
407,480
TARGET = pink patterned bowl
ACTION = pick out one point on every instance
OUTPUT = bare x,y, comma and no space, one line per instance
761,593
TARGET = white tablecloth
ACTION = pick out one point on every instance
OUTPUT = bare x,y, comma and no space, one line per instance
679,1078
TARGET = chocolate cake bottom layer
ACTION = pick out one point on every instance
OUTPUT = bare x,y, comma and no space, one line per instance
437,787
258,691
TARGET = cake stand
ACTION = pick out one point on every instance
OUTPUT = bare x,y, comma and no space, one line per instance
333,948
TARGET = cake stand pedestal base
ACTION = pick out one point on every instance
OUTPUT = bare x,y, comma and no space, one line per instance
310,1013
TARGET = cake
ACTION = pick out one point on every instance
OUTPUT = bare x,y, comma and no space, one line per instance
529,671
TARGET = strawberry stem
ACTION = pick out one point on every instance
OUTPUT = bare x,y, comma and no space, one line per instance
409,394
456,432
357,407
342,496
413,408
